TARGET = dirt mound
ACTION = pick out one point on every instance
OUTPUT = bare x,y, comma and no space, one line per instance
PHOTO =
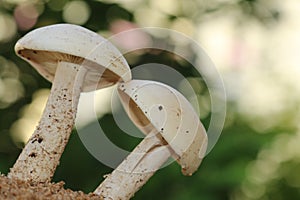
12,189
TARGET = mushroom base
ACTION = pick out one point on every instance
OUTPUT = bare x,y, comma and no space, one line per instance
136,169
40,157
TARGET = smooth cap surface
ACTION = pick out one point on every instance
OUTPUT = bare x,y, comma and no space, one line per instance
44,47
152,105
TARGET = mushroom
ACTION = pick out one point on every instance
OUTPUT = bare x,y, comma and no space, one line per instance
172,128
75,60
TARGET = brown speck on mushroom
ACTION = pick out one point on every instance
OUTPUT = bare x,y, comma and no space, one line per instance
178,113
160,107
40,140
32,155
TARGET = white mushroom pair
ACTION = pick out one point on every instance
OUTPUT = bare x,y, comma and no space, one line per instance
78,60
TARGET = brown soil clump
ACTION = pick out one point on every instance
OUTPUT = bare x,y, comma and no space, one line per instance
12,189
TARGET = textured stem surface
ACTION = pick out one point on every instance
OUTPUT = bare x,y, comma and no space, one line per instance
40,157
135,170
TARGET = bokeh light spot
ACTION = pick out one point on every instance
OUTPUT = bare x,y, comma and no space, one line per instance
22,129
133,40
8,27
167,6
150,17
11,89
76,12
26,16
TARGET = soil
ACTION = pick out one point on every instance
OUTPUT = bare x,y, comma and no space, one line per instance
12,189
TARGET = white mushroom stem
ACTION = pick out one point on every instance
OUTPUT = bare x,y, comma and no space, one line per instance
135,170
40,157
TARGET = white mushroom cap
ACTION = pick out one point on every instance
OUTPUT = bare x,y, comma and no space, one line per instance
152,105
44,47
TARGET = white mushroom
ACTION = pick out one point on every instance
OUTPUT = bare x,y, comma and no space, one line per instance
76,60
172,128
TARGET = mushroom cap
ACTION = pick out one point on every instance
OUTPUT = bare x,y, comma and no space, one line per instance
44,47
154,106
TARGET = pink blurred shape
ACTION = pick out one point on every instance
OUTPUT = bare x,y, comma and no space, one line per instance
26,16
128,36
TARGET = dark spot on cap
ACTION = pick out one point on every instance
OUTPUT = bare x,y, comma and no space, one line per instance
162,129
187,131
160,107
32,155
40,140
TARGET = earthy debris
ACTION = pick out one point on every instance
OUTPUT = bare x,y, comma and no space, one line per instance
14,189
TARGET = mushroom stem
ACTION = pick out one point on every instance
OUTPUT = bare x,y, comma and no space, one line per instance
40,156
136,169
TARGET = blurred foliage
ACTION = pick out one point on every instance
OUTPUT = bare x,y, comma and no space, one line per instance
223,171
